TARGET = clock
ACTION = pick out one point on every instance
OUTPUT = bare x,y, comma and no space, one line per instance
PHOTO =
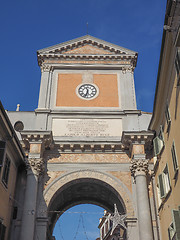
87,91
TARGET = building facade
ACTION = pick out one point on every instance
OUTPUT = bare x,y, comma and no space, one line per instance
86,142
12,176
165,123
106,229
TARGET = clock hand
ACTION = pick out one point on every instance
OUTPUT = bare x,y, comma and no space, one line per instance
87,92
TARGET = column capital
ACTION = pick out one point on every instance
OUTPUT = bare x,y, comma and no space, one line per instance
139,165
36,165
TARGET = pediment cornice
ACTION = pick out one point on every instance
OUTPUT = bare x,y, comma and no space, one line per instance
86,47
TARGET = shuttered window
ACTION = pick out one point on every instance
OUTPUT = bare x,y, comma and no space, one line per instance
168,117
158,145
161,134
174,158
171,232
164,182
158,196
161,185
2,152
176,223
6,170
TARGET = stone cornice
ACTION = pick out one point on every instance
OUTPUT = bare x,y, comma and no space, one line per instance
91,147
114,58
61,51
96,113
40,137
87,39
143,137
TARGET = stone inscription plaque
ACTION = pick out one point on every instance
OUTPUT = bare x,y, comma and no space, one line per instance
87,127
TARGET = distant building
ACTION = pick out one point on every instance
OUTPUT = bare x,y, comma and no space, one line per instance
12,177
105,227
166,124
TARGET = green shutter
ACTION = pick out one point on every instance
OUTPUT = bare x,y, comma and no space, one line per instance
158,145
161,185
171,231
176,223
168,116
174,156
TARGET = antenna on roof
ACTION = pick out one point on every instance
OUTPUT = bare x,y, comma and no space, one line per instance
87,27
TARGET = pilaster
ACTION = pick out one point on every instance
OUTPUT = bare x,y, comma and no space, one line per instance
35,142
138,144
44,93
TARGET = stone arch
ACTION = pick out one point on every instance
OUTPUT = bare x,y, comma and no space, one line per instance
86,186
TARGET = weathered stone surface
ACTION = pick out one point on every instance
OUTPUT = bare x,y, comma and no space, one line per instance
92,158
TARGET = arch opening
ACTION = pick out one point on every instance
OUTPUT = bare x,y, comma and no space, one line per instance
83,191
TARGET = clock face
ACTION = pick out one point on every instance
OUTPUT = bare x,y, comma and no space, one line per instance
87,91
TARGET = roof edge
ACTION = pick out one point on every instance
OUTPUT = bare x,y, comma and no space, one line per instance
85,37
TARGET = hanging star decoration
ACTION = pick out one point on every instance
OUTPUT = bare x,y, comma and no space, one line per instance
117,219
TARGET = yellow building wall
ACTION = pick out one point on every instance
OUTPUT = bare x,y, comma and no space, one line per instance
173,200
6,198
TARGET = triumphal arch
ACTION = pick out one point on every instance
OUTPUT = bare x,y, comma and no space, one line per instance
86,142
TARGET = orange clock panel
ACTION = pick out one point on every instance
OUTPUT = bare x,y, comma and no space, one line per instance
67,97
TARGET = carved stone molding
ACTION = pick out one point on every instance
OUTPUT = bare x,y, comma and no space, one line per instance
144,137
40,137
87,48
89,147
36,165
46,68
139,166
128,69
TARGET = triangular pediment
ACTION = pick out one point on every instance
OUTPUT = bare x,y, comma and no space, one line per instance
87,45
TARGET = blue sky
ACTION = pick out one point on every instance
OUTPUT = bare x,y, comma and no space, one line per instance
27,26
79,223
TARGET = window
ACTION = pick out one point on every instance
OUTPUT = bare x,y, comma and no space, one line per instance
168,117
174,228
2,151
174,158
158,142
6,171
177,64
161,134
159,200
2,231
164,183
171,232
